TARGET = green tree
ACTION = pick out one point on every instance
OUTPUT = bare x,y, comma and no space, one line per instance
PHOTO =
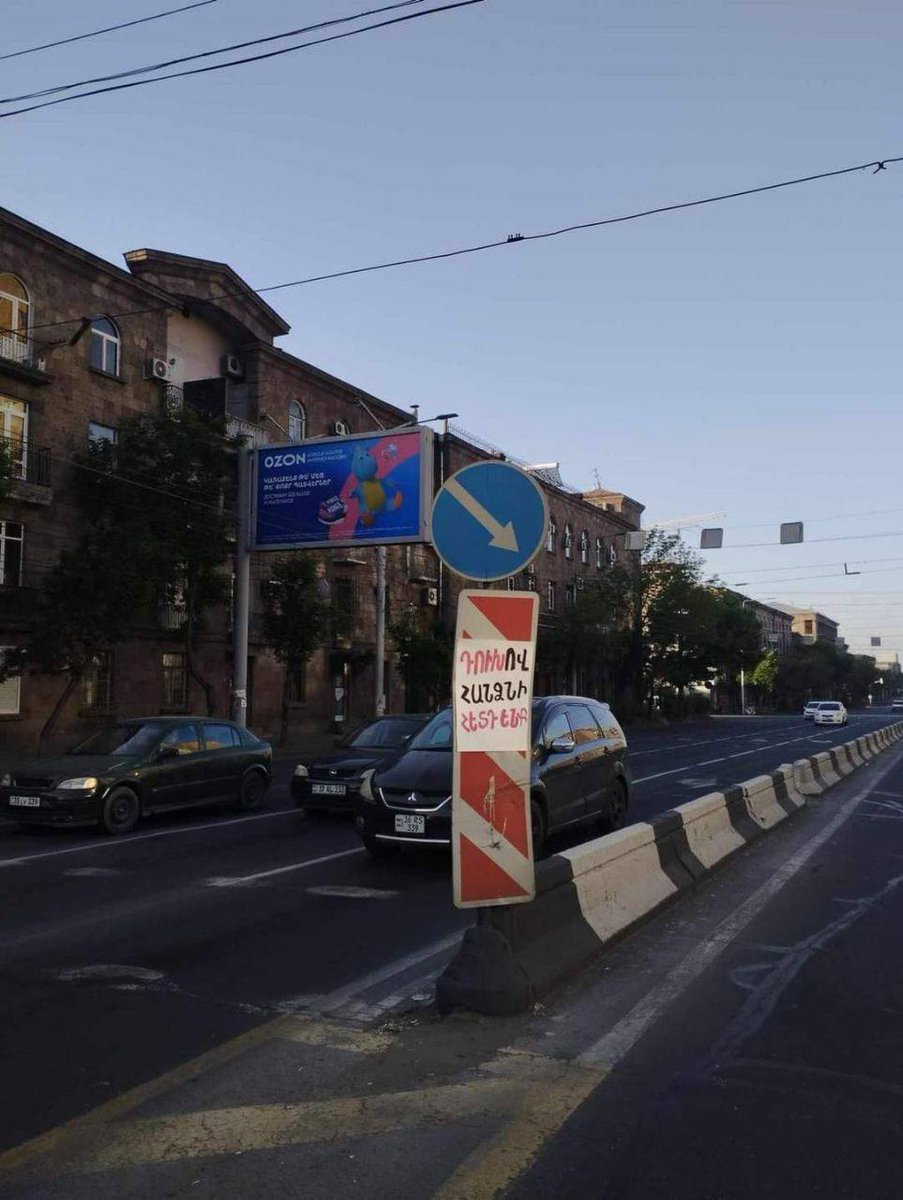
295,621
764,676
424,653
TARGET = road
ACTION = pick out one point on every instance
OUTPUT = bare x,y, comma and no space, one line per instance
121,958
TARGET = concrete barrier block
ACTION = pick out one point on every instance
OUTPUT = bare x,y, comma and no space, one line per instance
806,782
823,764
763,802
709,831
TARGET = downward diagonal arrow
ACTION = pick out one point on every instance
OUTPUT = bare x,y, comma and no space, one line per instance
502,536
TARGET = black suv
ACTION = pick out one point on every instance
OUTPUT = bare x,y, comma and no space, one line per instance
580,773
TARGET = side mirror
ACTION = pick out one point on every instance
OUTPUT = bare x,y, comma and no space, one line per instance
167,752
562,745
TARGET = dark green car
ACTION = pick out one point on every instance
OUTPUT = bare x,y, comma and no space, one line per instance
141,766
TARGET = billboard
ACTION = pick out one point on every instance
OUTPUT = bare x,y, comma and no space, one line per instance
364,488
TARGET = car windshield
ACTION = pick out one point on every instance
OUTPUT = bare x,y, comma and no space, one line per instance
437,734
385,734
830,707
133,738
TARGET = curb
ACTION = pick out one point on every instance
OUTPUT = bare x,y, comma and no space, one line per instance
591,894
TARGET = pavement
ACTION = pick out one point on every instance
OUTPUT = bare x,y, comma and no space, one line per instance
220,1005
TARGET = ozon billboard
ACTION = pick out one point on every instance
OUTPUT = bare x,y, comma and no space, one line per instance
372,488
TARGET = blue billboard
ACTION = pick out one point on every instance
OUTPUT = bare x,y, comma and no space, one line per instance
347,491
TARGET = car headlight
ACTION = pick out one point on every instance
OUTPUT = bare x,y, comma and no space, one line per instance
301,771
367,792
86,783
7,780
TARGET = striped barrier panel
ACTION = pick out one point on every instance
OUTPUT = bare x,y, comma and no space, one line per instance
592,893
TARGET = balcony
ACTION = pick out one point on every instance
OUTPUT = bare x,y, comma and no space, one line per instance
239,427
22,357
29,479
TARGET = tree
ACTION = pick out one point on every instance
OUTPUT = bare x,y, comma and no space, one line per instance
295,621
424,655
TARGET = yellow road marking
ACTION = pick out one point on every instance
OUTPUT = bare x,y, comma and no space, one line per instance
54,1142
496,1164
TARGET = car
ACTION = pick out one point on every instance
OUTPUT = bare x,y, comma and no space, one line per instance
811,708
580,774
135,767
896,705
831,712
331,782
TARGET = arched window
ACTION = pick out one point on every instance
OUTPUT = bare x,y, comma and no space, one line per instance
612,556
297,422
584,547
104,349
568,542
600,553
14,318
551,535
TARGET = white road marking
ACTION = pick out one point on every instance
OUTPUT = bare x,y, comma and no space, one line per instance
109,971
114,843
92,872
619,1041
223,881
351,893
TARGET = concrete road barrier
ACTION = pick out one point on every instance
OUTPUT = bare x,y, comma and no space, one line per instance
589,895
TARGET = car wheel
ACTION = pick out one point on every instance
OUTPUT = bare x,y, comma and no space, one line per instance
251,790
617,807
539,828
121,811
378,849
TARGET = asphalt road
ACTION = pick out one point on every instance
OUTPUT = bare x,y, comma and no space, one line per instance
120,958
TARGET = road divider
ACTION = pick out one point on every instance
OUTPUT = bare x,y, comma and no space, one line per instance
590,894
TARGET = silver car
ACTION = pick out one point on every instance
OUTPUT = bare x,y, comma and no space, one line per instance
811,708
830,712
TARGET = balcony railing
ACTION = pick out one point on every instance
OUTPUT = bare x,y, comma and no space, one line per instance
21,351
239,427
28,463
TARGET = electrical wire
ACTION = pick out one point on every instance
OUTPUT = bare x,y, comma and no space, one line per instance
237,62
81,37
511,239
172,62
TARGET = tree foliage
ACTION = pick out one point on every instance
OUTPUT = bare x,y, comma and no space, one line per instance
424,653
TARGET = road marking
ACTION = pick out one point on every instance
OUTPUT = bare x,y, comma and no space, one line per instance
92,872
117,843
224,881
114,971
708,762
619,1041
352,893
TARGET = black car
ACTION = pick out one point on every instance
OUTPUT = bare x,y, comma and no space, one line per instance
332,781
580,773
141,766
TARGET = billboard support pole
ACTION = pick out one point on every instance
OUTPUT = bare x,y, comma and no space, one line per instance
380,706
242,598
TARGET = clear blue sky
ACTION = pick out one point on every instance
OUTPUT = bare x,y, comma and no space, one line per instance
742,358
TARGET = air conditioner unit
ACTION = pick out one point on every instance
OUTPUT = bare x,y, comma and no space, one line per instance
233,367
157,368
339,429
431,596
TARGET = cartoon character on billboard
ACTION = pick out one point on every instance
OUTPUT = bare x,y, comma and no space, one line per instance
373,494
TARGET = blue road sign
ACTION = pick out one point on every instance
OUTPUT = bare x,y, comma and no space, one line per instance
489,520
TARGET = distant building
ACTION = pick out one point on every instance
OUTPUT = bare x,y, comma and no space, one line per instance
776,624
811,626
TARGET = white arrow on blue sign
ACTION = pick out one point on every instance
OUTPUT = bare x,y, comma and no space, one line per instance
489,520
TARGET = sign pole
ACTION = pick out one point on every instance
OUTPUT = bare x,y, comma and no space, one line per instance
242,598
380,705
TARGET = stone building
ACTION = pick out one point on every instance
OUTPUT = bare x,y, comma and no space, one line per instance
84,344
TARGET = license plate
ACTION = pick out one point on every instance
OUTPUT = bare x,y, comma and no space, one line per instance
408,823
328,789
26,801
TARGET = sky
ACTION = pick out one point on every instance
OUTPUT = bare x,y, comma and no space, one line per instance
735,364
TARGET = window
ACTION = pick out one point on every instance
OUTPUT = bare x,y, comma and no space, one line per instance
14,432
297,422
14,318
584,723
600,553
511,583
570,595
612,556
568,542
219,736
530,581
297,684
104,346
97,683
584,547
551,595
175,681
551,535
807,625
183,737
557,725
9,690
101,433
345,600
12,541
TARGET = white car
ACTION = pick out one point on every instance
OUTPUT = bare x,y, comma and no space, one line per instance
830,712
897,704
811,708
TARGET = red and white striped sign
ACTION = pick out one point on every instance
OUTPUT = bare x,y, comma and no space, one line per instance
492,689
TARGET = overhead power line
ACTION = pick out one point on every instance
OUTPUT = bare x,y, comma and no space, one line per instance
81,37
511,239
252,58
173,62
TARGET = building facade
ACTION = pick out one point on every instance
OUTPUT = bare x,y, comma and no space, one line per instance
84,345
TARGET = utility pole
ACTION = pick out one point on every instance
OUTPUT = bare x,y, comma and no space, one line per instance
380,706
242,598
